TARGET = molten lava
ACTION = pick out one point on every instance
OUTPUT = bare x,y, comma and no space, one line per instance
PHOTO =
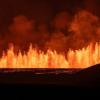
51,59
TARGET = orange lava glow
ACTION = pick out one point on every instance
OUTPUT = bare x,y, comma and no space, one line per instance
51,59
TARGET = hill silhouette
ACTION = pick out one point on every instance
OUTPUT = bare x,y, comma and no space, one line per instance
89,77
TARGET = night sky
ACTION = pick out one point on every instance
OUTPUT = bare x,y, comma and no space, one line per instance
36,8
39,9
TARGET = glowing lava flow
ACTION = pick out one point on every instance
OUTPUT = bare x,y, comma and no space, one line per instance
33,59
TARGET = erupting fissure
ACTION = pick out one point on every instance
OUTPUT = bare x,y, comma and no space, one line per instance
51,59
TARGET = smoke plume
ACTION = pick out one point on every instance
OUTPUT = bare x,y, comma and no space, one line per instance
68,31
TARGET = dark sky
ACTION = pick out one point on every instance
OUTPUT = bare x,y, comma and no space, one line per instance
35,7
40,9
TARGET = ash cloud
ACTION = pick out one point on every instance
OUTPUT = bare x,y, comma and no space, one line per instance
62,32
79,32
84,27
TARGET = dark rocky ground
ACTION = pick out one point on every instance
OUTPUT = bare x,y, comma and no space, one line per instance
89,77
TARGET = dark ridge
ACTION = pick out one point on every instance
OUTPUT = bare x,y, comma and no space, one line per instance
89,77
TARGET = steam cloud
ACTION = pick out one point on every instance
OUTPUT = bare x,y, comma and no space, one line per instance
67,32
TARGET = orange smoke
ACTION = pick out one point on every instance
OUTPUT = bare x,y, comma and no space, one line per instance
78,38
51,59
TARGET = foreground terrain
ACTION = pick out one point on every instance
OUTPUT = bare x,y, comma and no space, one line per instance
89,77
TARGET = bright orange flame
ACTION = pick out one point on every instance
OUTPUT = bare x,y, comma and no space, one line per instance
33,59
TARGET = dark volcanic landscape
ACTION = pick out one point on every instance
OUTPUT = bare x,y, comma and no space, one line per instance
89,77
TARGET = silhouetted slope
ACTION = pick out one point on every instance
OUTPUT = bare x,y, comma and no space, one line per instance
89,77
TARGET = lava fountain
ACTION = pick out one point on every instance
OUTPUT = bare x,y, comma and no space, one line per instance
33,58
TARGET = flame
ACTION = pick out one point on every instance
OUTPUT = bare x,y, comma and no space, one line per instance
51,59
